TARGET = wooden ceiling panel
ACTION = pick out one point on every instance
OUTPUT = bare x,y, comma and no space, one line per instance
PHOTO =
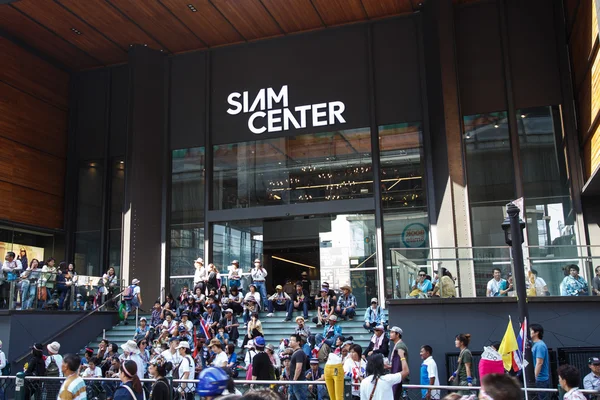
153,17
382,8
249,17
336,12
207,22
108,20
61,21
294,15
19,26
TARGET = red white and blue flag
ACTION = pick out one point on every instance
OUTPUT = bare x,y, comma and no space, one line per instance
204,329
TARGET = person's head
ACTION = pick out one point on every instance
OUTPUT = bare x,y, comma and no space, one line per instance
298,287
230,348
536,331
346,290
184,348
54,348
252,288
257,263
93,363
136,282
10,256
34,263
422,275
143,322
111,271
156,368
462,340
113,348
339,340
300,321
168,317
170,297
534,272
88,353
314,364
103,344
426,351
173,343
355,352
223,289
568,376
285,360
295,341
445,272
332,320
234,291
70,364
215,346
50,262
500,387
22,252
594,364
128,372
379,330
142,344
278,288
71,267
374,302
497,273
115,362
395,333
157,305
212,382
375,365
573,270
304,274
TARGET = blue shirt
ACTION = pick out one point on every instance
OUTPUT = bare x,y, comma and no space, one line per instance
540,350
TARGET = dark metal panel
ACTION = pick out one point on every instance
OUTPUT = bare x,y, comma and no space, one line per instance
479,57
188,98
208,167
396,69
91,114
331,207
318,67
533,53
118,110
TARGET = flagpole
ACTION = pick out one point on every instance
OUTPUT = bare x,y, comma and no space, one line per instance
524,338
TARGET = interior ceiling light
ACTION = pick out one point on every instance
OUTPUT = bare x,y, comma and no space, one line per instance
523,116
192,8
496,126
78,32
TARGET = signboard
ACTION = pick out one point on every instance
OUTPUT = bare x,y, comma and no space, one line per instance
415,235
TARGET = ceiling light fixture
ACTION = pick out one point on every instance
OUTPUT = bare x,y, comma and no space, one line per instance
192,8
77,31
496,126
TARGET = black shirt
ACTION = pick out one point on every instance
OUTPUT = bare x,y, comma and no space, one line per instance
262,368
160,390
298,360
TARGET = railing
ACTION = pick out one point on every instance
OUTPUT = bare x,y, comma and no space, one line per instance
21,387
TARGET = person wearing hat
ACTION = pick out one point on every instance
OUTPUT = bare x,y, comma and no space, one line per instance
230,324
200,275
270,350
235,274
305,281
132,352
278,301
592,380
259,275
54,358
325,307
315,373
251,302
299,301
374,316
398,359
346,305
220,360
135,301
262,367
302,328
331,331
379,343
185,371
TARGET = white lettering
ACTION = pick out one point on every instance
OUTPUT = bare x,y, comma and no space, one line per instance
260,98
287,117
236,104
316,114
253,129
245,102
273,98
303,110
272,119
336,108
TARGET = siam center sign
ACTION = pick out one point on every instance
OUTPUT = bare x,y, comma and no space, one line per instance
269,111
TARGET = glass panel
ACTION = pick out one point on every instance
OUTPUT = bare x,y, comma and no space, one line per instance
288,170
89,197
491,185
87,253
237,240
187,186
117,194
114,250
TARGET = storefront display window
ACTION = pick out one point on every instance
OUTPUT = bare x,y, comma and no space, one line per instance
289,170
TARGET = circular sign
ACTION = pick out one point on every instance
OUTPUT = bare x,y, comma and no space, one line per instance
415,235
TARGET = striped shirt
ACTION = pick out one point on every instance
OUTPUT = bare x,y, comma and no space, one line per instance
73,388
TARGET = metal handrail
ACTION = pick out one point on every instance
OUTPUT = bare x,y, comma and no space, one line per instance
71,325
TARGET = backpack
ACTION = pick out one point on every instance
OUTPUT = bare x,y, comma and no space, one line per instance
128,293
52,368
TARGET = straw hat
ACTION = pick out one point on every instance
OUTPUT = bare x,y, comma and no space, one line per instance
346,287
130,346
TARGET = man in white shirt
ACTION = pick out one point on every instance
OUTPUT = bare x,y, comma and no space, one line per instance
259,275
592,380
132,352
53,349
429,373
497,286
172,354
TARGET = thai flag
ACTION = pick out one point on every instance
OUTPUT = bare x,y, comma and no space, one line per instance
518,356
204,329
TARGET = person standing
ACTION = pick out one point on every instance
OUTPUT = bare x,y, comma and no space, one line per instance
29,282
297,369
541,359
132,298
73,388
131,386
186,371
356,368
596,282
11,269
3,363
200,275
259,275
262,367
377,385
429,373
54,358
592,380
398,360
464,371
235,274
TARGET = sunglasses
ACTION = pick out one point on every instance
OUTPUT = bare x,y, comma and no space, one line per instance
422,275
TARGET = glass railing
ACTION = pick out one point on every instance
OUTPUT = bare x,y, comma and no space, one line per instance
422,273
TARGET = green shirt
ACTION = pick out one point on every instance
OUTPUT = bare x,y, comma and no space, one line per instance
402,345
464,358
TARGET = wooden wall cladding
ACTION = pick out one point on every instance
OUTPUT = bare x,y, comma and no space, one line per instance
33,75
584,47
33,138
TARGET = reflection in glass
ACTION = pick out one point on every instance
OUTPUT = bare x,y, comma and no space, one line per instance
491,185
117,197
237,240
288,170
405,220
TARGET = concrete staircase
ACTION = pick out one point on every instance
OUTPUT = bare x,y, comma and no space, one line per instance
274,327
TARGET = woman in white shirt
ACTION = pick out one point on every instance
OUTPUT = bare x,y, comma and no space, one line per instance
377,384
355,368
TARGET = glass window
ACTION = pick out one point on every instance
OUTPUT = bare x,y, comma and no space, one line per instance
237,240
117,197
187,215
89,219
491,185
288,170
405,220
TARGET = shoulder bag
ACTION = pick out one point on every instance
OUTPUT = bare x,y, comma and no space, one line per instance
374,387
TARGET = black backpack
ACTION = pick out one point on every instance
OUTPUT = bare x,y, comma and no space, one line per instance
52,368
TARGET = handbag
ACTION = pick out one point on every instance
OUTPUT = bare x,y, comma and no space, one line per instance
42,294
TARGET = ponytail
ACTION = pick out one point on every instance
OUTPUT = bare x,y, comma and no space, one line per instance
129,368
